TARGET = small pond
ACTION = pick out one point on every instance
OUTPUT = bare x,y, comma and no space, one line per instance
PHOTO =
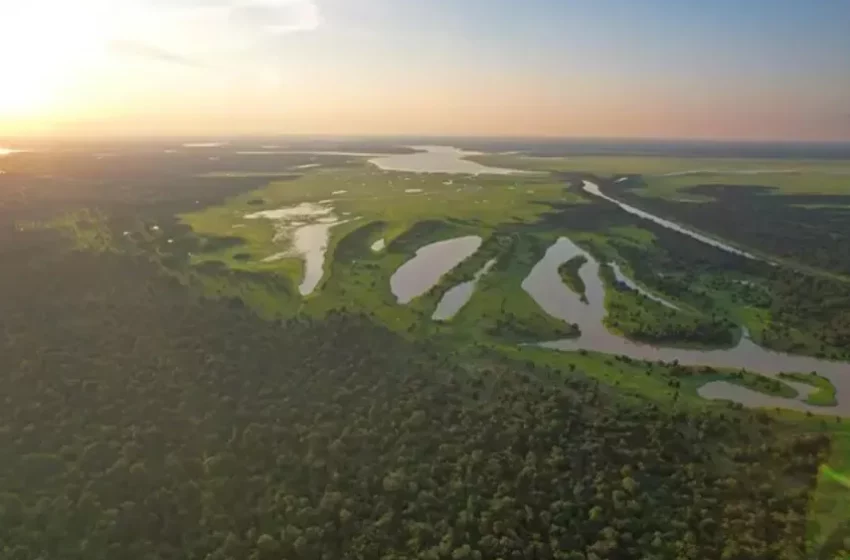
305,229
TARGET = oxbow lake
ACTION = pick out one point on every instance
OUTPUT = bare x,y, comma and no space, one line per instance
418,275
421,273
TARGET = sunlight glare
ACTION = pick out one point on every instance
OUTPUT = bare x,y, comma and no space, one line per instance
44,45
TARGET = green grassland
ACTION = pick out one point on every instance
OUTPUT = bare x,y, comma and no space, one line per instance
789,176
825,393
805,182
500,308
829,504
358,279
693,379
513,215
482,202
638,317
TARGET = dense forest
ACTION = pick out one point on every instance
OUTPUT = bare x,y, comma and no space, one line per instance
569,272
641,318
143,422
802,311
808,228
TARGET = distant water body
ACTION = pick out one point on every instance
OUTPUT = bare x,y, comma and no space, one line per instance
671,148
438,159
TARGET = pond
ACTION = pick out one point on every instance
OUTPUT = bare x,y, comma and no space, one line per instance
423,271
305,228
723,390
545,286
454,300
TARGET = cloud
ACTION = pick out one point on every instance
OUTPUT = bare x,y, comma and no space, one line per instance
212,33
277,16
143,50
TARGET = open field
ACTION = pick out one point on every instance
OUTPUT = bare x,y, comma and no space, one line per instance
665,176
825,393
365,194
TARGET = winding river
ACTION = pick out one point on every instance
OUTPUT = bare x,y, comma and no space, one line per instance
545,286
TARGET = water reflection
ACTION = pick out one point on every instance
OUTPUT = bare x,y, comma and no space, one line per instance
545,286
723,390
422,272
632,285
438,159
593,188
306,229
459,295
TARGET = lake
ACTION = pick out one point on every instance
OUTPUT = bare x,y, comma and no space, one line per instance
423,271
459,295
305,228
439,159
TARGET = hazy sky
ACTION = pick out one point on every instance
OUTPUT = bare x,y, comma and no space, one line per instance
776,69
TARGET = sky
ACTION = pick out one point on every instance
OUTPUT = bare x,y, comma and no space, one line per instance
719,69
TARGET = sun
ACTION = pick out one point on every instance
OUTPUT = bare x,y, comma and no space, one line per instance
44,45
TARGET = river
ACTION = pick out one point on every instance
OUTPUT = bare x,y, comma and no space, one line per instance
545,286
593,188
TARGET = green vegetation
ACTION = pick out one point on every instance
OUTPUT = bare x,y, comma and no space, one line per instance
814,179
825,393
87,229
672,176
570,276
146,423
762,384
501,308
636,316
694,378
399,200
828,527
174,397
